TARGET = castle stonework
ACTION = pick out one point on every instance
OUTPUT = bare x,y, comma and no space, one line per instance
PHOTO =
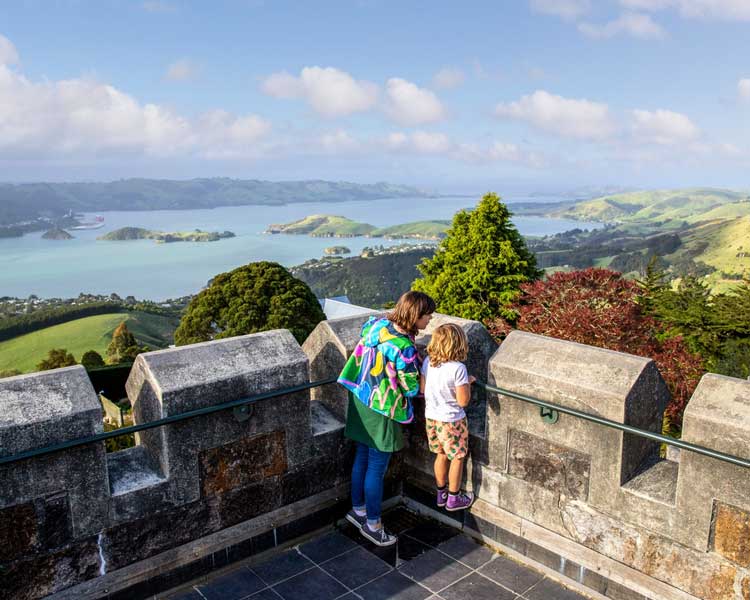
593,503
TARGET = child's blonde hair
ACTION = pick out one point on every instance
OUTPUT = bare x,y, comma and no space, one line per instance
449,342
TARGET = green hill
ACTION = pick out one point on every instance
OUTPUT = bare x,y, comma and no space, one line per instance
654,207
322,226
90,333
427,230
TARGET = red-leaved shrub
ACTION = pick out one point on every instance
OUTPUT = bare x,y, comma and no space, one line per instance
599,308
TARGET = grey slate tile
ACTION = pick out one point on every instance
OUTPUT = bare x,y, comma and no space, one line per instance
327,546
232,586
466,550
310,584
393,586
477,587
511,574
434,570
355,568
282,566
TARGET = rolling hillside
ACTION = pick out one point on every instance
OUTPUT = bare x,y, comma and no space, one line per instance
91,333
657,207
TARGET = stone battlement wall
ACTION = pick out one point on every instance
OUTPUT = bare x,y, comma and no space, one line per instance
196,494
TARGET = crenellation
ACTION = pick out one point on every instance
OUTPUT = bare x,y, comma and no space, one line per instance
572,493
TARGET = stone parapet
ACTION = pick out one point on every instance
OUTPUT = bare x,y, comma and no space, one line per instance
80,514
598,502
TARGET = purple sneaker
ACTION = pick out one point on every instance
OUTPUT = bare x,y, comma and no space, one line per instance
442,497
460,501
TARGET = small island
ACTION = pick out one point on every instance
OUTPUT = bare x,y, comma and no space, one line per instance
160,237
56,233
342,227
336,250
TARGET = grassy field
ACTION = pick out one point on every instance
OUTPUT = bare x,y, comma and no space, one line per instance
91,333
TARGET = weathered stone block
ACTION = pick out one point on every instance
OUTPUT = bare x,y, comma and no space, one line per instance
174,381
241,504
730,535
135,540
19,531
620,387
42,409
44,574
549,465
718,417
240,463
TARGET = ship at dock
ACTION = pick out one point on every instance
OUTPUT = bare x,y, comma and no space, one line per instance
95,224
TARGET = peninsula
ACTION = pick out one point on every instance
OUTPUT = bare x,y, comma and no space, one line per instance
138,233
342,227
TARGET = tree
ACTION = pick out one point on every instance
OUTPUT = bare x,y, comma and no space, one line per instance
123,347
92,359
57,358
600,308
480,265
257,297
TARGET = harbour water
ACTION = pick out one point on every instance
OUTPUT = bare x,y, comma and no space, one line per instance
145,269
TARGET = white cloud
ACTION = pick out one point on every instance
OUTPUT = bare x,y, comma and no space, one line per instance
329,91
439,144
408,104
182,70
569,10
581,119
728,10
338,141
8,53
663,127
743,89
633,24
448,77
84,117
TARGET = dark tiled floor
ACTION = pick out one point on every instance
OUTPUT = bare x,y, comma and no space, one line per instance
430,561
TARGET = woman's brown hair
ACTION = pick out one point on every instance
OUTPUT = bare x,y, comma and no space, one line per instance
448,343
411,307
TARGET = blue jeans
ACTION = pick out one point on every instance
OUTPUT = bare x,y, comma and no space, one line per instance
367,480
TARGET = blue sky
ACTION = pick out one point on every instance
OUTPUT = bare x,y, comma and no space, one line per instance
537,94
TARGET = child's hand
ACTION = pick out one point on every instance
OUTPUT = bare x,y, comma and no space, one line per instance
472,379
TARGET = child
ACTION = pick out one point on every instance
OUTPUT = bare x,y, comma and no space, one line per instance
447,389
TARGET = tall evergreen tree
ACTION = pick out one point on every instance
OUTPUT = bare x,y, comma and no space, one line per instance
123,347
480,265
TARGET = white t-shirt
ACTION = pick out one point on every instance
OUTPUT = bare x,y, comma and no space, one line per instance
440,390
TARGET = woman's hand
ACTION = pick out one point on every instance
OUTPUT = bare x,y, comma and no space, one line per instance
472,379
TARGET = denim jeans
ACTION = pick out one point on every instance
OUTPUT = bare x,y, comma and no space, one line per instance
368,472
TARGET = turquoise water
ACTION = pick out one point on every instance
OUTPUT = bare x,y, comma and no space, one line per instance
144,269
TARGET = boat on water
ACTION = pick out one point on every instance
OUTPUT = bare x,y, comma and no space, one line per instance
95,224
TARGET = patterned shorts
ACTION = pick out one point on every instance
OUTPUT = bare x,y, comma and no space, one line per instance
451,439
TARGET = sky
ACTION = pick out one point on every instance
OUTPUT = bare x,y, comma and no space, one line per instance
450,96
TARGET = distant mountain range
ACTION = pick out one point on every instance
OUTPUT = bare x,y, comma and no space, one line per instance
30,201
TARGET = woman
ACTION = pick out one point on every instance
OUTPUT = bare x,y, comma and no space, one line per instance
381,376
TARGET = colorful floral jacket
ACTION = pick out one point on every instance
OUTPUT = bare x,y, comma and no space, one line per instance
383,370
